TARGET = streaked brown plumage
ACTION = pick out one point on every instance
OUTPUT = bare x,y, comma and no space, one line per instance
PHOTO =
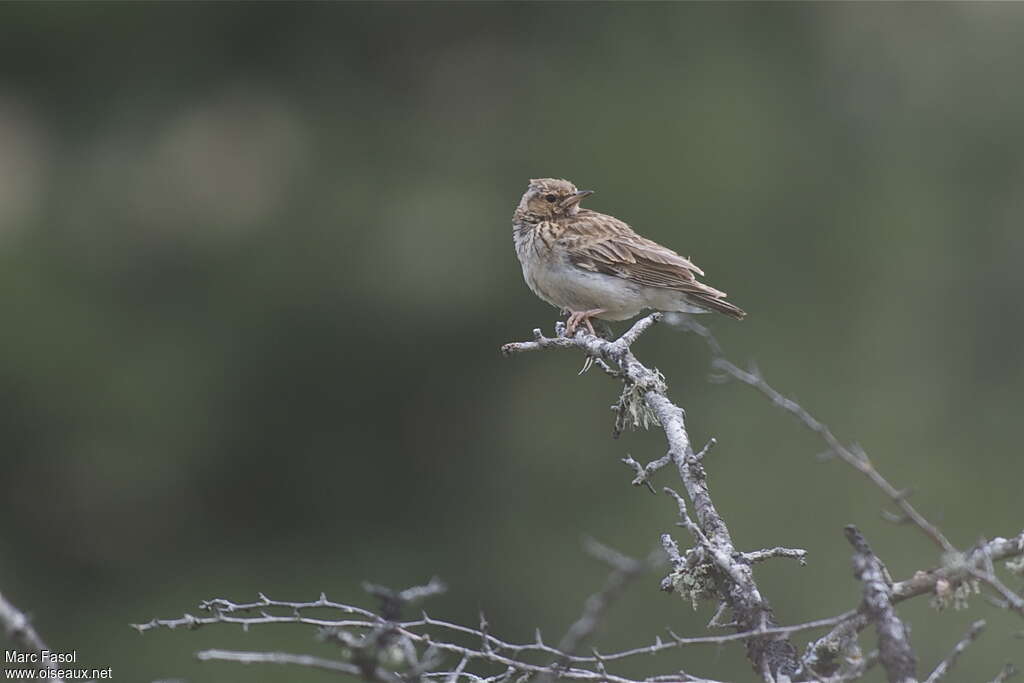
594,266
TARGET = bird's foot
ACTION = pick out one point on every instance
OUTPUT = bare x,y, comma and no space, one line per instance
581,318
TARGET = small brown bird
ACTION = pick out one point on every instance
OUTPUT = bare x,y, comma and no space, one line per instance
592,265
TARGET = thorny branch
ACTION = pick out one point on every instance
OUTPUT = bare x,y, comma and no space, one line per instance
943,583
946,664
853,456
623,571
20,631
894,649
278,658
380,647
1008,671
226,612
948,582
772,657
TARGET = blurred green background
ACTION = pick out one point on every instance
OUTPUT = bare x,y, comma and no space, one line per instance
256,264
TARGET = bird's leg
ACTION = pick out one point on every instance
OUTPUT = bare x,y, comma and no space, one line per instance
574,321
583,317
587,315
571,323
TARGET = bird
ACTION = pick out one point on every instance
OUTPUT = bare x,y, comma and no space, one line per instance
592,265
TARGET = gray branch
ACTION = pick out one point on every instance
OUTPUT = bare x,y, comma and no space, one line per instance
644,401
1008,599
894,649
823,656
827,656
822,661
946,664
278,658
1007,672
853,456
958,568
20,631
772,657
624,571
225,615
797,554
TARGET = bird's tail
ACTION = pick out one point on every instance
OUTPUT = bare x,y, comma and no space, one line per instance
711,302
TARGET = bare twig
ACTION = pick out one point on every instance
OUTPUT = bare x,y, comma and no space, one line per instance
852,456
725,561
922,582
827,655
19,629
494,643
1008,598
893,637
644,472
797,554
822,655
989,551
624,571
1006,673
454,675
770,657
278,658
393,601
726,571
946,664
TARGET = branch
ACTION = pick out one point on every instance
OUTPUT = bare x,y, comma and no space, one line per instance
946,664
771,657
956,570
855,457
278,658
1007,672
827,655
797,554
508,654
823,655
624,571
493,642
644,401
20,630
1007,598
976,562
893,637
393,601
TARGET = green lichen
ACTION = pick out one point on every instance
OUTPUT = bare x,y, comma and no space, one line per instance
632,410
694,583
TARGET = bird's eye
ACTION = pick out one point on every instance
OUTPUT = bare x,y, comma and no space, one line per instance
551,198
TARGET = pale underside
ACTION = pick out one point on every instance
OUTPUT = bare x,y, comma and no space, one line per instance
571,288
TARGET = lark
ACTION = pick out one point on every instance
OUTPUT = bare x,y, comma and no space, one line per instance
592,265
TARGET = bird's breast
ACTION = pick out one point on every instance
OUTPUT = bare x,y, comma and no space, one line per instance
549,273
535,251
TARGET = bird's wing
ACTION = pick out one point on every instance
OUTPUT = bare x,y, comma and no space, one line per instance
604,244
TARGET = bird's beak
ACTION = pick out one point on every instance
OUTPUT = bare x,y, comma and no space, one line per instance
576,198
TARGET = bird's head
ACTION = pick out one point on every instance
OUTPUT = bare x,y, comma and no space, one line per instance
550,198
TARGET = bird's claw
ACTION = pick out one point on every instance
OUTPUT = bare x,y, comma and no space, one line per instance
574,320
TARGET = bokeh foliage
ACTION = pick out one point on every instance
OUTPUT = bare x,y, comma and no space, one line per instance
256,262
